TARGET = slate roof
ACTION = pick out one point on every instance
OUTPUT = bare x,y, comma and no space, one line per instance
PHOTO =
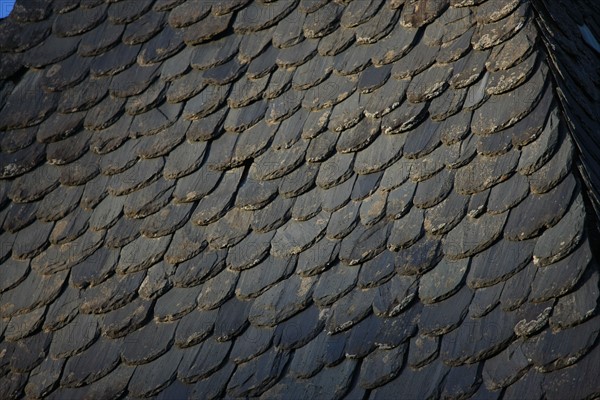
292,199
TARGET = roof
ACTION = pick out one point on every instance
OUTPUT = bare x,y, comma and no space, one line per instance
291,199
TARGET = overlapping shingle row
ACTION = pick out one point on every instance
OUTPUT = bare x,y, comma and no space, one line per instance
370,199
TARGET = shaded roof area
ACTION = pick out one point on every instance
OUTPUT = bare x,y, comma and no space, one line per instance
292,199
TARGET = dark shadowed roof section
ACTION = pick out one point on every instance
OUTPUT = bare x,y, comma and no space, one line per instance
299,199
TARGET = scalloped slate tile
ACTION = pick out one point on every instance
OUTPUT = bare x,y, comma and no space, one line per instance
281,301
92,364
529,217
253,342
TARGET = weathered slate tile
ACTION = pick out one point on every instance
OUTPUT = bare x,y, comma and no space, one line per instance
330,200
558,278
328,93
148,200
319,384
408,229
485,337
537,212
175,303
31,241
563,237
499,262
56,258
218,202
282,301
92,364
43,379
19,215
206,29
484,172
419,382
299,330
202,360
403,118
336,42
557,389
225,281
277,162
232,319
274,215
258,16
549,350
419,58
394,296
442,281
297,236
35,185
156,281
188,13
253,342
578,305
472,235
443,316
255,376
513,51
213,386
75,337
334,283
531,93
381,153
230,229
151,341
111,294
493,33
247,90
260,278
422,350
149,379
335,170
538,152
199,268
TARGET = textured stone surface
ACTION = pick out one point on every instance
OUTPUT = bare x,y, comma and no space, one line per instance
299,199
